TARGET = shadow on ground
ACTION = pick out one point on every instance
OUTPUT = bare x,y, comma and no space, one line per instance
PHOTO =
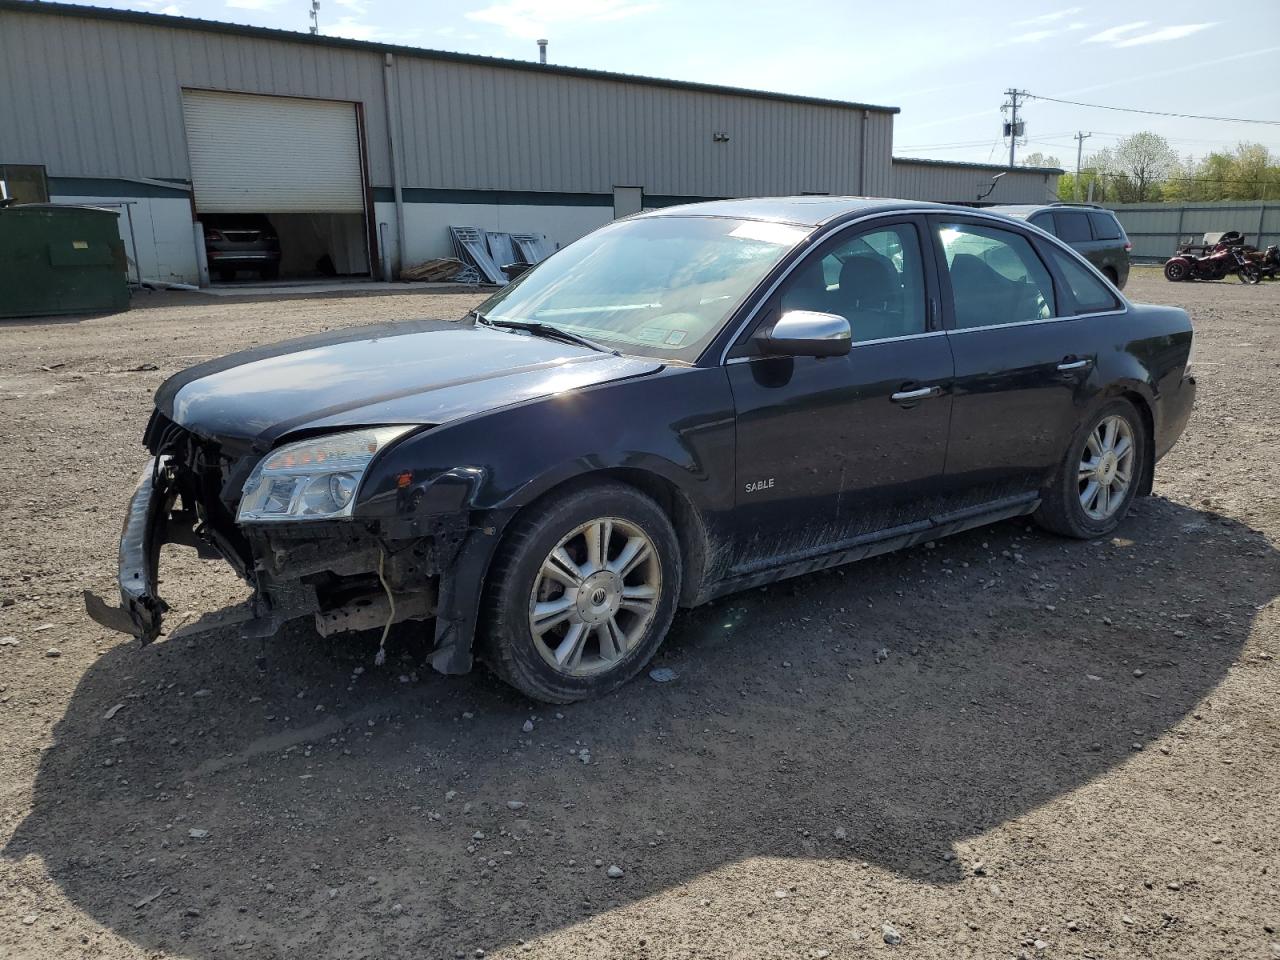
1009,681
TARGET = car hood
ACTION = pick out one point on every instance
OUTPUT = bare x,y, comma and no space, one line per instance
420,372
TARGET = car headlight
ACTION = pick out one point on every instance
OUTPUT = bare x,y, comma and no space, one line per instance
314,479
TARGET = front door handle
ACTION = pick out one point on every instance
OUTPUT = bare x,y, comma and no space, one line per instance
1066,366
908,396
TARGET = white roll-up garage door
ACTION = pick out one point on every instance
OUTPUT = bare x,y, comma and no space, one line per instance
255,154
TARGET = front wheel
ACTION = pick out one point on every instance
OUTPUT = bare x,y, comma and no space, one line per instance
1099,476
1250,273
581,594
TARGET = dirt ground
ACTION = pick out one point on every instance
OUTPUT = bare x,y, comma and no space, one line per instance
1069,749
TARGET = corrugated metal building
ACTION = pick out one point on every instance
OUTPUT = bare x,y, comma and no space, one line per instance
949,182
172,117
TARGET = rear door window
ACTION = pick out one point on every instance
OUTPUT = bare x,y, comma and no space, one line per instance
1105,226
1072,226
1044,221
996,276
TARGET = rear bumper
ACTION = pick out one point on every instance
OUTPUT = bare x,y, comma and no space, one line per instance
250,257
1176,407
141,610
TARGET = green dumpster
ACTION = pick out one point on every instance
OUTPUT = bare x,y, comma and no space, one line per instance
61,259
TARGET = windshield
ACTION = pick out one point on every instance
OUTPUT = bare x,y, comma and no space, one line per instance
660,287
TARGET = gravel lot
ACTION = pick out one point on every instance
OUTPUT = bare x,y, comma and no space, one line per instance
1068,750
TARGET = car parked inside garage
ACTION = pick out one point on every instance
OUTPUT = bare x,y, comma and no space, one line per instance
241,241
682,404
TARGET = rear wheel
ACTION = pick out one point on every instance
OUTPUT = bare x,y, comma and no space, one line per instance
1110,274
1099,476
581,594
1176,270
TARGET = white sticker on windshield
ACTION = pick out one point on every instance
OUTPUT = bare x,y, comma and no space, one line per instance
676,337
780,233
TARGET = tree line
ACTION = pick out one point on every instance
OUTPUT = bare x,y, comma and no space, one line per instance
1143,168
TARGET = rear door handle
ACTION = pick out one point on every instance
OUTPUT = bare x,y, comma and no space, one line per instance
922,393
1066,366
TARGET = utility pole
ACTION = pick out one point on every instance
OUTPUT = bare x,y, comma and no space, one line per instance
1013,127
1080,138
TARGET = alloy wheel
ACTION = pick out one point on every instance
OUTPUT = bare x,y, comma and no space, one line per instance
1106,468
594,596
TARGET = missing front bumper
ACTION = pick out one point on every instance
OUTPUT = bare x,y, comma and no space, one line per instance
141,610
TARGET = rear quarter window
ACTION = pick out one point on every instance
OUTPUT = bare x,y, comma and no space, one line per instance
1105,226
1091,295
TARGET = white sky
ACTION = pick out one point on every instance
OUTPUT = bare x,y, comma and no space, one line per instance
946,64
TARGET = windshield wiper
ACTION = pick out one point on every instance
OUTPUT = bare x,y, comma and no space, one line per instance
540,329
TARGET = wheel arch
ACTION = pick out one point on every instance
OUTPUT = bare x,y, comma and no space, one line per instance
1143,405
685,515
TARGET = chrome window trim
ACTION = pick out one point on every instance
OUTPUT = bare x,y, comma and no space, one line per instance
855,345
821,236
1032,323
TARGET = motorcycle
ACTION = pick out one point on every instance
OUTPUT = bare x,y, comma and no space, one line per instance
1268,262
1220,254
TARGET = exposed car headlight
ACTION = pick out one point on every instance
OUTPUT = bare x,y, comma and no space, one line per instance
313,479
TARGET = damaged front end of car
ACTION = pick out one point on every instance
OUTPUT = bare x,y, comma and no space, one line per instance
287,522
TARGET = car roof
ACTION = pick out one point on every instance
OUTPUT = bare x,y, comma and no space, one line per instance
1024,210
805,211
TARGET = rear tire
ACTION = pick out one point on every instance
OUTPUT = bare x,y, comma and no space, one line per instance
1099,475
1110,274
581,593
1176,271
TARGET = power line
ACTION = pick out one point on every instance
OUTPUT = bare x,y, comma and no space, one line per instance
1152,113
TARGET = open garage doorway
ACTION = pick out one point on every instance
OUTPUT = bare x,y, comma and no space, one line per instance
278,186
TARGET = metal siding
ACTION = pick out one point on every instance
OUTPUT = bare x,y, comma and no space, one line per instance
927,181
98,98
1156,229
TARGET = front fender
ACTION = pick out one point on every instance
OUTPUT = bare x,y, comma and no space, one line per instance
676,425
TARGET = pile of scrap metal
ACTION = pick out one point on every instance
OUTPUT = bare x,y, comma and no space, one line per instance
499,257
440,270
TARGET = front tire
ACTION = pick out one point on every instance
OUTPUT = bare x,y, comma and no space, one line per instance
1099,476
581,594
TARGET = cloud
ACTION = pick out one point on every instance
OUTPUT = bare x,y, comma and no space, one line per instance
253,4
1048,17
158,6
354,29
532,19
359,7
1124,35
1034,36
1113,34
1164,34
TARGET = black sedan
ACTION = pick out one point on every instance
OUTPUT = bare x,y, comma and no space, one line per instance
680,405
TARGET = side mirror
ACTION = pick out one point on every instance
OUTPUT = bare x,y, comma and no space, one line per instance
807,333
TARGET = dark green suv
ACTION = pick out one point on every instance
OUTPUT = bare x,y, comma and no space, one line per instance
1092,230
